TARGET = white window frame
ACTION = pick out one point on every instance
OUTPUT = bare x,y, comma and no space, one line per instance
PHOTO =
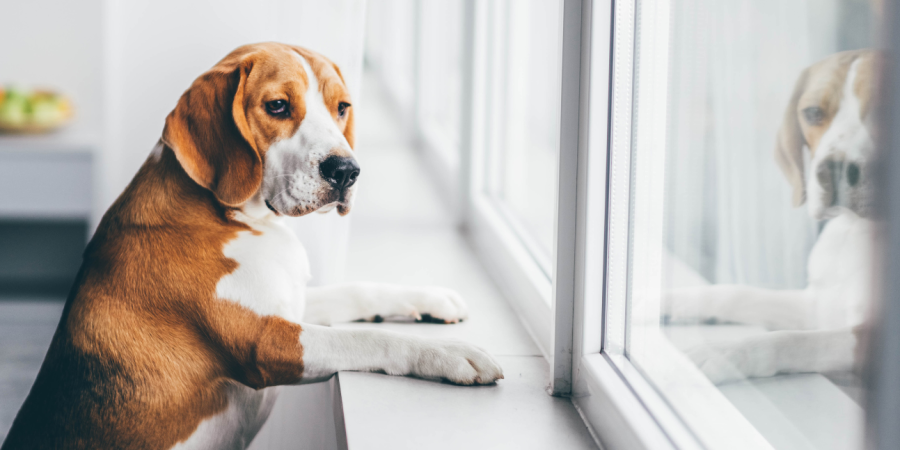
564,312
504,248
567,316
500,243
611,402
617,402
623,409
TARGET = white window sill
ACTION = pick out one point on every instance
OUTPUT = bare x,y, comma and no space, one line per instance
403,233
382,411
790,411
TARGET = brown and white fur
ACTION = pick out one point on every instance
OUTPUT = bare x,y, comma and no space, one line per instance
191,303
818,329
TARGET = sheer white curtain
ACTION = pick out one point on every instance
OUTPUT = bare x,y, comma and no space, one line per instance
728,207
522,146
391,48
439,76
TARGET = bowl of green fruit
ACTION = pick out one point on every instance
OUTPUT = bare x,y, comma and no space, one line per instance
37,111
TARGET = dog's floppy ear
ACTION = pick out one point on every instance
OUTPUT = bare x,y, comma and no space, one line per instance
209,134
790,142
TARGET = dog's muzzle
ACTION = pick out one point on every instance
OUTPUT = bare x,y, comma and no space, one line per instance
844,184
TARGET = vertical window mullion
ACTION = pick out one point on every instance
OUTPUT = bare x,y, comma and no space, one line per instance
575,87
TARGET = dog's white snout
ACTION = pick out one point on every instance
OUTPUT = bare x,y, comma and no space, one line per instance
841,182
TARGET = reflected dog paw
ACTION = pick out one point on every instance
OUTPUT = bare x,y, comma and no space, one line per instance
731,362
683,306
715,363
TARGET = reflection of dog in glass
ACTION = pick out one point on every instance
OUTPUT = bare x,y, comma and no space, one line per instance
818,329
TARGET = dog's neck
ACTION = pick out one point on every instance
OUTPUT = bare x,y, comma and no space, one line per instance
256,208
162,194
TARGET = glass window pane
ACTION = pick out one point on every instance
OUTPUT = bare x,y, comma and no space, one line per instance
440,74
523,130
750,231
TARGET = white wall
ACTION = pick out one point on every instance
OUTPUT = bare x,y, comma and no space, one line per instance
55,44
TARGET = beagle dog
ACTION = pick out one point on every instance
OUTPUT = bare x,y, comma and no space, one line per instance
191,304
825,148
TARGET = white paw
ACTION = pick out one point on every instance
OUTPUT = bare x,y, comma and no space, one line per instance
439,304
683,306
457,362
422,303
714,364
731,362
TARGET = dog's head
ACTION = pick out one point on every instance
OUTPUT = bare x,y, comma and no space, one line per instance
272,122
830,113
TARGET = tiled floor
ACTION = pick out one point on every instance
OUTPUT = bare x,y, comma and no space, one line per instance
26,328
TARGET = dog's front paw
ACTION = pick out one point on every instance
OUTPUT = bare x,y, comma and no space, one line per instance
422,303
439,305
458,363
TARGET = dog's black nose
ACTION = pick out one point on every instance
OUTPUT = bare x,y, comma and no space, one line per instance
340,172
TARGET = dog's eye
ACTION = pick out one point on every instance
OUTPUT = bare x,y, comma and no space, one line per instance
342,108
814,115
277,107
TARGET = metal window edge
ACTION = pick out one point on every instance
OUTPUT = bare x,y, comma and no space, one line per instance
573,135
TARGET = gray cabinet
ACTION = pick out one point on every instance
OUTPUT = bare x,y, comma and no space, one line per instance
46,198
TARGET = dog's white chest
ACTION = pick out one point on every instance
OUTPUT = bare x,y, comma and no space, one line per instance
270,279
235,427
272,271
840,271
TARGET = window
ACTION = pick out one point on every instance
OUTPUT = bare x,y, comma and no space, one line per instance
514,147
653,186
522,139
440,78
729,310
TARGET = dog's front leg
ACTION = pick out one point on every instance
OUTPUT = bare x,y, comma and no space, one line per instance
778,352
373,301
771,308
329,350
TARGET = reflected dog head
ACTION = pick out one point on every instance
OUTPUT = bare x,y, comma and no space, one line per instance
270,123
831,114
